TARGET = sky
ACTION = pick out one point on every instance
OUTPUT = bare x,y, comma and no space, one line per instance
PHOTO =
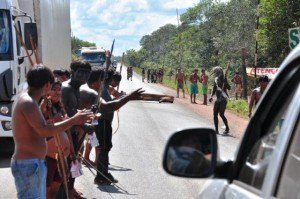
126,21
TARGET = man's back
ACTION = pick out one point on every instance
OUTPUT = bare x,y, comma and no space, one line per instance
28,143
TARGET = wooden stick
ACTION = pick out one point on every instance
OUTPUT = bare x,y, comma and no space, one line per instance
34,48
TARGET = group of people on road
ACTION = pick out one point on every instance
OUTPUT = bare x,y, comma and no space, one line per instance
51,121
220,89
180,81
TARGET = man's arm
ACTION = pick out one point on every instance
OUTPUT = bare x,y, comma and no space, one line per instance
34,116
117,104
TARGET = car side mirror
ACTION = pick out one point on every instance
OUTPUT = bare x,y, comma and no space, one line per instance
30,30
191,153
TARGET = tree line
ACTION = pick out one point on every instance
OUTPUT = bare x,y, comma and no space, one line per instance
213,33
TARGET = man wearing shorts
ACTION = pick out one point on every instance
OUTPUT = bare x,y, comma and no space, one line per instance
180,80
194,86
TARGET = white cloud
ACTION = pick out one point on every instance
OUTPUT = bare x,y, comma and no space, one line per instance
180,4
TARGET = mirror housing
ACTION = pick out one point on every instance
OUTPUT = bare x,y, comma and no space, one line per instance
30,29
191,153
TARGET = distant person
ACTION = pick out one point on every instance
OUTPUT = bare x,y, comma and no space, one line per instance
194,78
148,75
143,74
204,80
30,131
257,92
179,81
237,80
220,88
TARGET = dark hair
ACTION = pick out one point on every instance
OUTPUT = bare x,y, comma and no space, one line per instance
203,70
109,75
117,76
39,75
75,65
56,82
96,74
263,78
58,72
67,73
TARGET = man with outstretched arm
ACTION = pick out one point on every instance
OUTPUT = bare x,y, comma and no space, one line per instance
103,129
30,131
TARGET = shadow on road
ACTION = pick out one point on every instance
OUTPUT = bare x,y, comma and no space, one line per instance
113,189
118,168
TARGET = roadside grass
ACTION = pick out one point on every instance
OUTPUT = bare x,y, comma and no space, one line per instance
239,106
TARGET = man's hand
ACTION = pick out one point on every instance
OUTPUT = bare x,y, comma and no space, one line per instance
82,116
136,94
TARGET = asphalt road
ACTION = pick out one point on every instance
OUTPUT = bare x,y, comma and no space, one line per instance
136,156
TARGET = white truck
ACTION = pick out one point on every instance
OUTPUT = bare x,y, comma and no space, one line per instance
51,20
94,55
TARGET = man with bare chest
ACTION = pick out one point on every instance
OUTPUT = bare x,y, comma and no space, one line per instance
30,131
257,92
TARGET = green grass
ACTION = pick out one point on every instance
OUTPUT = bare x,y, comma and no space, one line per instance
241,107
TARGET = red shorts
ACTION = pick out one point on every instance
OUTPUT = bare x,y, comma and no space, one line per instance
53,174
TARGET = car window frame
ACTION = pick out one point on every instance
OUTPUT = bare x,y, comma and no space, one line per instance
260,122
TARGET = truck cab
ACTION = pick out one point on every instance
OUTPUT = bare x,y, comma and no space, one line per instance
94,55
13,61
267,162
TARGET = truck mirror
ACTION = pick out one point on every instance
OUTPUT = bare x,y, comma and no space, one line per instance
30,30
191,153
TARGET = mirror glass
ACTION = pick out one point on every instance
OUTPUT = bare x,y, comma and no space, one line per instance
190,153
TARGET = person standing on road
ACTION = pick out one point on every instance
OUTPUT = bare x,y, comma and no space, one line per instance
30,131
148,75
143,74
194,86
220,89
180,80
103,129
204,80
237,80
80,72
257,92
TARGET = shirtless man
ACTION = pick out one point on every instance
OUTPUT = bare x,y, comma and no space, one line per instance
103,129
30,131
237,80
194,78
257,92
80,72
204,80
180,80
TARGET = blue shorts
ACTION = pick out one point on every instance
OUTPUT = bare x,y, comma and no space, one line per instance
194,88
30,178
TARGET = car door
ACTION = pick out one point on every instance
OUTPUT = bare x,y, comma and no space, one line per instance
256,170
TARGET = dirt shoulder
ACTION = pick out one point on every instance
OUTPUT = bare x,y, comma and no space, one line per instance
236,123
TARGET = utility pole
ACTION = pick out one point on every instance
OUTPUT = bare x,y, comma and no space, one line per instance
256,39
179,46
244,73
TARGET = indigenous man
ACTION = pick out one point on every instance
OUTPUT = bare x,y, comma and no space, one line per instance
180,80
257,92
204,80
237,80
30,131
80,72
143,74
103,129
220,89
194,86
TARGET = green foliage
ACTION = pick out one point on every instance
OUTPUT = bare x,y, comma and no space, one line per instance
239,106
